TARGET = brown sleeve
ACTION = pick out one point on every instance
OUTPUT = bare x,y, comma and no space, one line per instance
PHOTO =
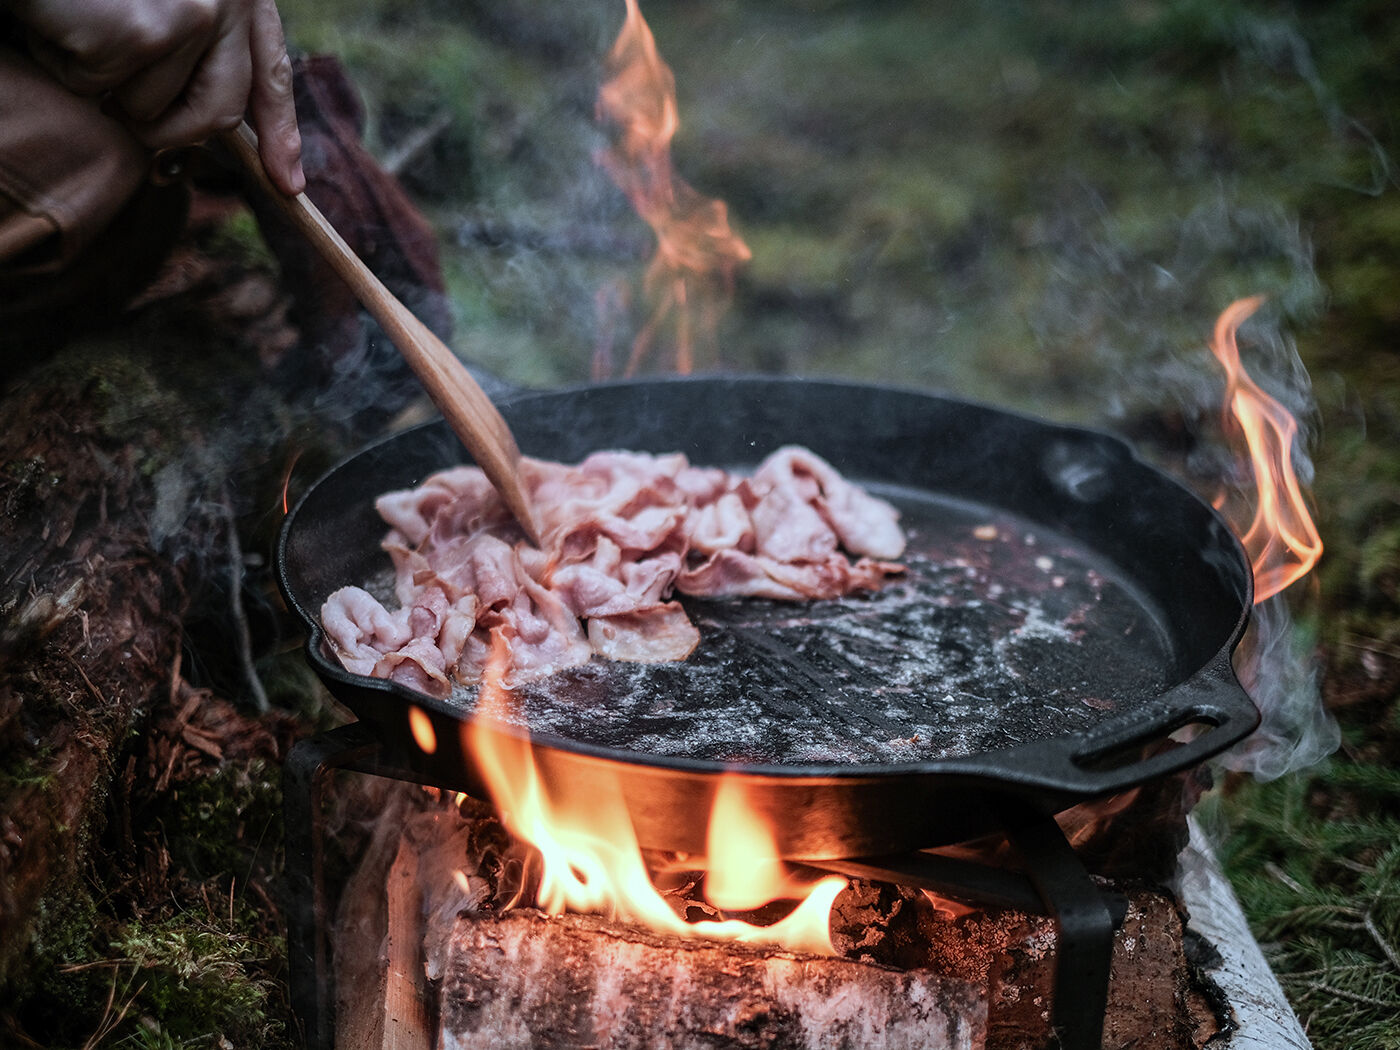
66,169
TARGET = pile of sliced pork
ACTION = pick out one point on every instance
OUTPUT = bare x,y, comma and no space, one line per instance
622,533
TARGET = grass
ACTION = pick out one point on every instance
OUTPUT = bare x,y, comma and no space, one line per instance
197,975
1316,860
1043,205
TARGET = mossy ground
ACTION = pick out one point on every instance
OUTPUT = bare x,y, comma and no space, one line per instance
168,938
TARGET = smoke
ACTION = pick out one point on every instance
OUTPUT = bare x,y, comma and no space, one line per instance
363,381
1277,665
1132,323
1277,45
1132,315
1122,321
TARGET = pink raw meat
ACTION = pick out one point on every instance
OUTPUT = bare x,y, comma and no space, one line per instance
622,532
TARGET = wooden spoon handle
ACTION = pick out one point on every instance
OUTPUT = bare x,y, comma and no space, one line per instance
457,395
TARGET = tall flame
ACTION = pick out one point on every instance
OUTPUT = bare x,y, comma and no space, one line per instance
1280,537
697,254
593,862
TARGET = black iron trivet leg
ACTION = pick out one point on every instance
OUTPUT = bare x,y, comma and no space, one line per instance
303,783
1057,885
1086,927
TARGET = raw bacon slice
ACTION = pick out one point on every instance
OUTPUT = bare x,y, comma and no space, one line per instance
862,523
653,636
734,574
361,630
623,532
420,665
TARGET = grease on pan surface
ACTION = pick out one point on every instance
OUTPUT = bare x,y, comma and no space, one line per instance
1000,633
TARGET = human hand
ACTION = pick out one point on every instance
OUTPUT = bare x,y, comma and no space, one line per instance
176,71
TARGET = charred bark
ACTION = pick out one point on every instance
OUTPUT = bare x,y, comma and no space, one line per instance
1155,997
91,618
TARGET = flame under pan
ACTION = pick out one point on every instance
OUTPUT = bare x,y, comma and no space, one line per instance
1067,609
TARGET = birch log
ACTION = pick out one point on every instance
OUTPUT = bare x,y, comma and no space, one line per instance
529,980
524,979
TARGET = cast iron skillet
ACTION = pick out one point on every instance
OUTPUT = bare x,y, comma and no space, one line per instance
1069,609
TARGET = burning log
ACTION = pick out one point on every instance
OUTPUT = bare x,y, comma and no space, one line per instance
382,1000
525,979
1155,999
908,970
379,936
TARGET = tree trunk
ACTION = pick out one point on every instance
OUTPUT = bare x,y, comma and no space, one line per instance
91,619
143,471
118,457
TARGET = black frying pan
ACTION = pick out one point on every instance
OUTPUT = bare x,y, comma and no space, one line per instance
1067,611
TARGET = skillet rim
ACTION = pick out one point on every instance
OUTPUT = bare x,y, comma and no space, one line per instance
1058,764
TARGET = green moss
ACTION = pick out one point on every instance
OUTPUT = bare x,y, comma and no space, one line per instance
238,237
795,258
65,926
914,210
197,979
215,825
19,771
56,989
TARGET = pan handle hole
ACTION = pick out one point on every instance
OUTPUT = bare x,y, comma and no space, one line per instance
1137,749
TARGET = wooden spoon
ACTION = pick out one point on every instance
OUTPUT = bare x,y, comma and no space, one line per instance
457,395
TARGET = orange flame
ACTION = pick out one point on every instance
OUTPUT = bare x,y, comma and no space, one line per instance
422,728
1280,538
696,254
745,870
592,860
287,482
